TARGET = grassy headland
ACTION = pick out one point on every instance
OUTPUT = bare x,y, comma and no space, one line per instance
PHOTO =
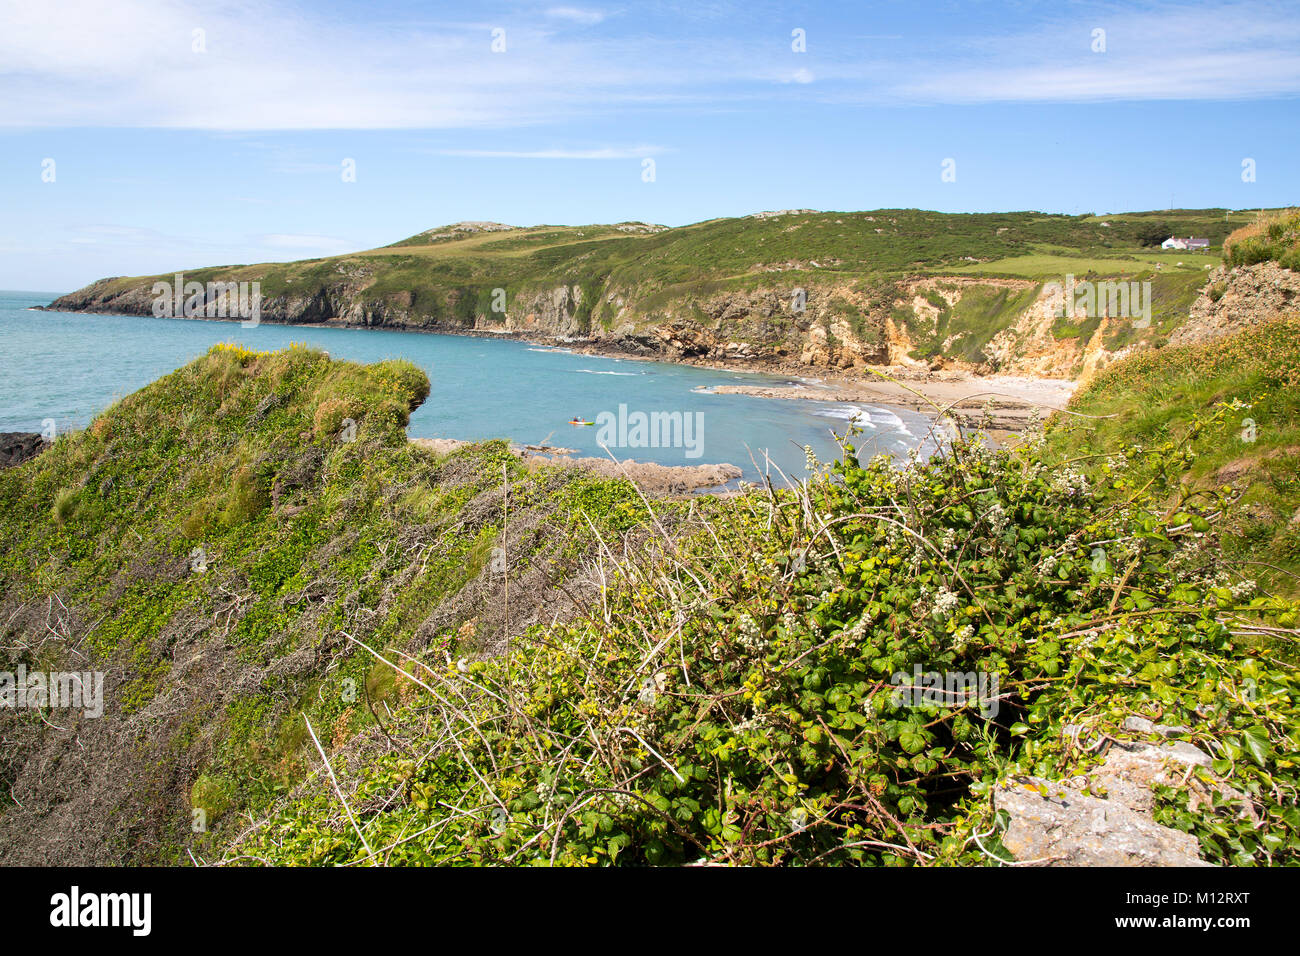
265,566
727,287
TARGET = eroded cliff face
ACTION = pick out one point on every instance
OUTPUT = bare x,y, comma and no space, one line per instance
834,326
831,326
1030,347
918,323
1236,298
340,303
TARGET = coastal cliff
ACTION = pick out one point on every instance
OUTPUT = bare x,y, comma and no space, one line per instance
791,289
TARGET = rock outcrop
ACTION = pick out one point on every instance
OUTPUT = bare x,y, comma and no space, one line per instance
18,447
1058,823
1236,298
1052,825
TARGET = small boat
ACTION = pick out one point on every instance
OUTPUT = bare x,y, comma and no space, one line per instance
576,421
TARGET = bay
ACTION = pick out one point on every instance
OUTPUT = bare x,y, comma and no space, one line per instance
68,367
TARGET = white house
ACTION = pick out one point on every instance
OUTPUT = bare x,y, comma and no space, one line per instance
1191,242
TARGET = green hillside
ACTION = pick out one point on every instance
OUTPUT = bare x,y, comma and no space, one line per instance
881,243
726,278
208,542
566,672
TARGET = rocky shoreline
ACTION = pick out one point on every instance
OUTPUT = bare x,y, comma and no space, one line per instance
18,447
650,477
1003,403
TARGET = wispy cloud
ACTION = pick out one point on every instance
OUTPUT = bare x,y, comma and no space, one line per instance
275,65
587,17
246,65
1166,51
608,152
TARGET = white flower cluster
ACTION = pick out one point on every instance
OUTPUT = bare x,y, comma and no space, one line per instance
756,722
1244,590
945,604
919,554
1070,483
751,635
997,518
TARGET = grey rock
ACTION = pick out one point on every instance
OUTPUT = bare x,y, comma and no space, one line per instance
1132,768
18,447
1141,725
1051,824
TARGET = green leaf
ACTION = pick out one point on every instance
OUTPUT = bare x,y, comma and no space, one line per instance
1257,744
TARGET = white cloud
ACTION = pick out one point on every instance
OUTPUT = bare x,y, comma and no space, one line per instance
1164,52
609,152
270,66
276,65
577,14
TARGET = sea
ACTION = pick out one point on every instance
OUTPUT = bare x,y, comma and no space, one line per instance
65,368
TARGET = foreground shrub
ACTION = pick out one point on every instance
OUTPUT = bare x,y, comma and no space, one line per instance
1275,237
746,695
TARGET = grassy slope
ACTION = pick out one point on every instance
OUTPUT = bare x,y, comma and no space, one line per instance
727,698
1273,237
206,542
1153,398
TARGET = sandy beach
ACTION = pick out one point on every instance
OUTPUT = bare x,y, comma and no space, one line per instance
1009,400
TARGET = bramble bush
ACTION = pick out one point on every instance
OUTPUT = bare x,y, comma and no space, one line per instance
731,695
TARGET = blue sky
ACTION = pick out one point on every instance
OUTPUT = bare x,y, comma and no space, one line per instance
173,149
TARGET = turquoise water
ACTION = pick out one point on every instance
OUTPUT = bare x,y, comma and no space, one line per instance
69,367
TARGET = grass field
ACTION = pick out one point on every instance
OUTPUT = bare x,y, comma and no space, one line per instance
1042,265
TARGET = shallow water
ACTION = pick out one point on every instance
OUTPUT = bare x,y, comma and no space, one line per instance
69,367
